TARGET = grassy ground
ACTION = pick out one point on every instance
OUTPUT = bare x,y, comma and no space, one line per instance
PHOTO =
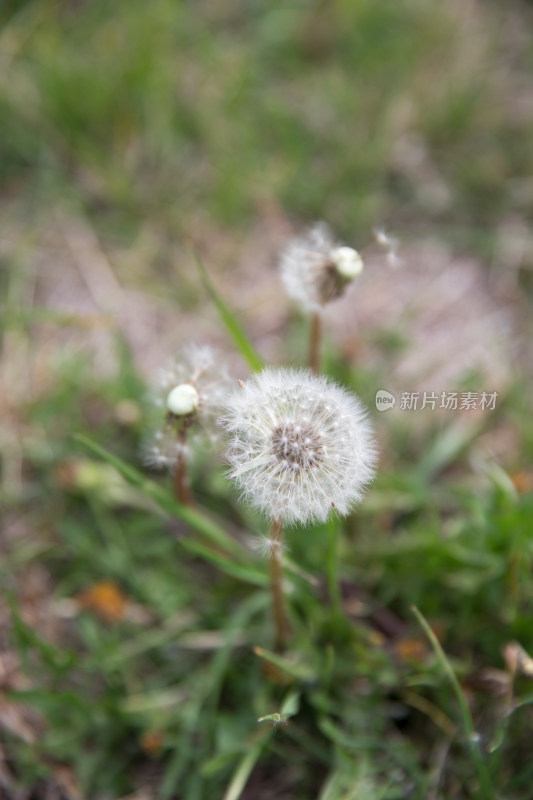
136,643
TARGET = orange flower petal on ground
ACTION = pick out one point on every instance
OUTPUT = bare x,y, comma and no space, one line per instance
106,599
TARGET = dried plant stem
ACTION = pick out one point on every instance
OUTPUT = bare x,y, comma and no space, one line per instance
315,341
276,584
182,490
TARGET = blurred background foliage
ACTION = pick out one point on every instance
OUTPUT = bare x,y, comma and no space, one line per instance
129,133
351,111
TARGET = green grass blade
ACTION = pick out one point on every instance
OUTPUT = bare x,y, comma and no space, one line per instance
204,702
245,767
485,782
240,572
300,672
231,323
200,522
447,447
58,660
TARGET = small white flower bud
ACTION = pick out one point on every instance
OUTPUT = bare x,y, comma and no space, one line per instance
182,400
348,262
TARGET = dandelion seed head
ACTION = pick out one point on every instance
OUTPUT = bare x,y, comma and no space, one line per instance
188,396
194,383
315,270
299,445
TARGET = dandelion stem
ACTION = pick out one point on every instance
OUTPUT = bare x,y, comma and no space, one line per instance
182,489
276,584
315,341
332,567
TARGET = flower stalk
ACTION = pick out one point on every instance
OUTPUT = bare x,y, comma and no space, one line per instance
332,570
276,584
315,341
182,489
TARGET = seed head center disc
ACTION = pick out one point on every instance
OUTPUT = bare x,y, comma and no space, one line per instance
297,447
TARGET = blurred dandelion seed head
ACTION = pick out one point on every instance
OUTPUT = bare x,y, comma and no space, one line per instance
316,270
165,451
191,392
299,445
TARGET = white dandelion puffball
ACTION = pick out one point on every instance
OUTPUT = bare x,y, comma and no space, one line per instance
189,395
315,270
299,445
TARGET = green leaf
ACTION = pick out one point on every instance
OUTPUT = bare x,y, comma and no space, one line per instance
233,327
291,704
289,708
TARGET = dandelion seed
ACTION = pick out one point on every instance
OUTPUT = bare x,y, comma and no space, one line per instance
390,244
165,451
315,270
266,546
295,470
